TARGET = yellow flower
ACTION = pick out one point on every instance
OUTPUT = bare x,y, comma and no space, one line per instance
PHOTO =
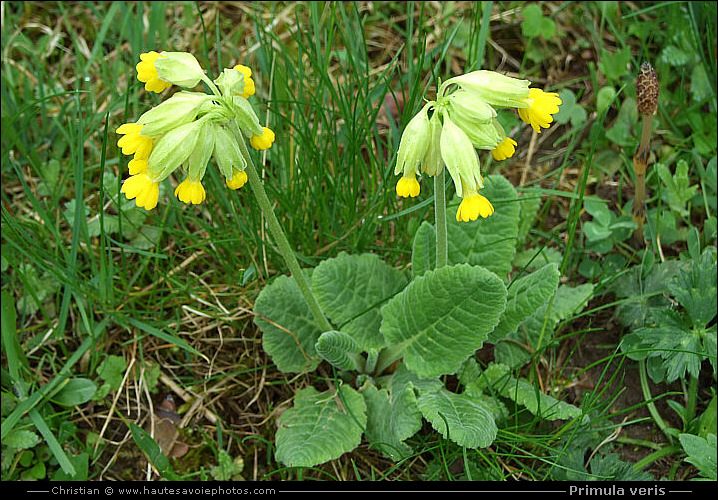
540,106
248,82
144,188
137,166
133,142
263,141
407,186
190,191
473,206
505,149
238,180
147,73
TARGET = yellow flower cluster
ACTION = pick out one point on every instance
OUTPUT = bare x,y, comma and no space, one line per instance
461,122
189,128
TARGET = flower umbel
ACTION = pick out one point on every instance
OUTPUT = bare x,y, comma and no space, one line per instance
190,128
540,106
147,73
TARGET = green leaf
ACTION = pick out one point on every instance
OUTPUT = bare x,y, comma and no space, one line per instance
337,347
227,467
443,317
112,370
153,452
524,341
529,203
678,190
167,337
490,243
535,24
16,360
641,293
670,338
320,427
469,422
525,296
289,329
604,98
701,453
75,391
695,289
351,289
81,464
498,378
423,255
21,439
390,421
570,110
615,65
403,378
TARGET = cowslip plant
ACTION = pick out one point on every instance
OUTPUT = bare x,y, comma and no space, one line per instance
393,337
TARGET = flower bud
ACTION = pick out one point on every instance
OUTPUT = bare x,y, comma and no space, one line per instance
173,149
227,153
231,82
414,143
432,162
179,109
179,68
202,152
246,117
496,89
470,107
460,158
483,135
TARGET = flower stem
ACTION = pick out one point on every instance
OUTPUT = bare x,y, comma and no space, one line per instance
649,402
285,250
440,215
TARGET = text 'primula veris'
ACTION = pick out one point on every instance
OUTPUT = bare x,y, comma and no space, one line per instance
461,122
190,128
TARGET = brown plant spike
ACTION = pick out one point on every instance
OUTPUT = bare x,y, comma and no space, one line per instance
647,90
647,103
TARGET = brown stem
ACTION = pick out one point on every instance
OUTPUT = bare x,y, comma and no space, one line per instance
640,163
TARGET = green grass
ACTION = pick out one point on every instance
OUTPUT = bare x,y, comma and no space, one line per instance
86,275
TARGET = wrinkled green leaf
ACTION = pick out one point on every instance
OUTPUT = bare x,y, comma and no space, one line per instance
391,420
469,421
443,317
289,329
351,289
497,377
423,255
337,347
320,427
490,243
525,296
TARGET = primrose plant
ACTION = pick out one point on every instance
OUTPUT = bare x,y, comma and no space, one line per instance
393,337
